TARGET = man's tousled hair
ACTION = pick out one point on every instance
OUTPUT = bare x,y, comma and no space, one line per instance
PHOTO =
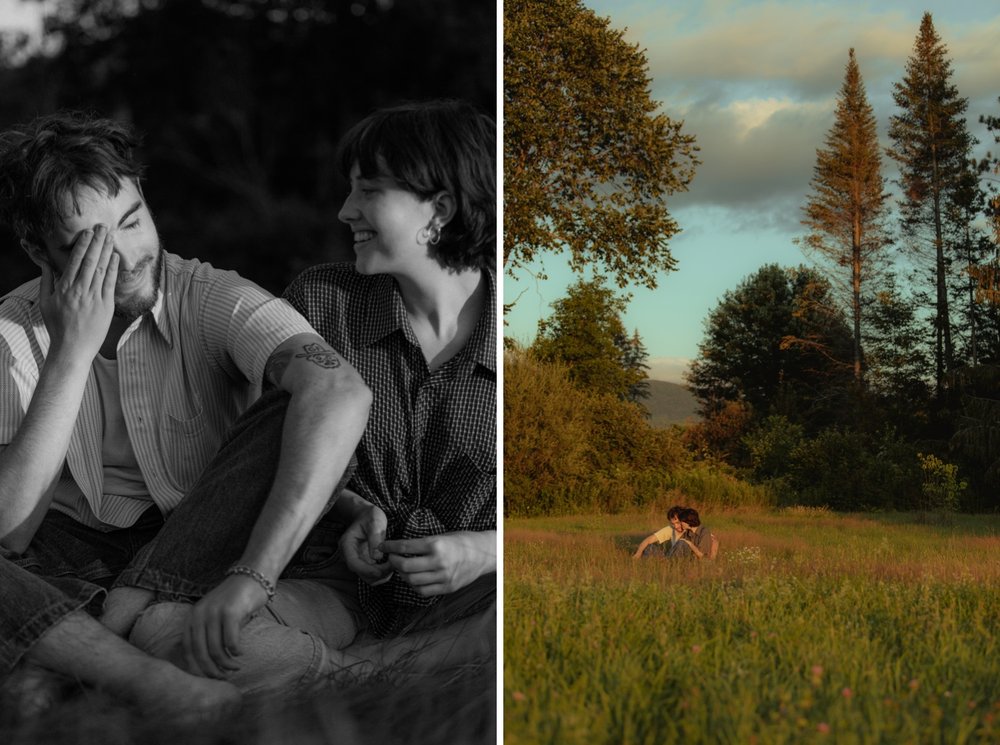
435,146
51,158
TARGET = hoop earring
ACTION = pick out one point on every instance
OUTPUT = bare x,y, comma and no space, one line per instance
434,234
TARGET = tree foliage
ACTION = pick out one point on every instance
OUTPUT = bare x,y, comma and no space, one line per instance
931,143
242,103
567,448
896,355
777,343
588,161
586,333
847,210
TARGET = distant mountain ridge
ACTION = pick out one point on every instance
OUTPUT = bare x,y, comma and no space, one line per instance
669,403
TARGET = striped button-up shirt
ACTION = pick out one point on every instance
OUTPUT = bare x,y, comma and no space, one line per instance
187,370
428,457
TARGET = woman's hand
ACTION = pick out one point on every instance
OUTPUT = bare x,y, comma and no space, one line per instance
360,545
441,564
212,636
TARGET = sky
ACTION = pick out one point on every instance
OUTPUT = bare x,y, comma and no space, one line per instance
756,83
20,16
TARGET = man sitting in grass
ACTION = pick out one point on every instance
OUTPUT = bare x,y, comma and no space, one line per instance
121,369
652,545
685,534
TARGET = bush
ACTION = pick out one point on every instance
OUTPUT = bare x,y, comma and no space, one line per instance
570,450
848,470
770,446
941,487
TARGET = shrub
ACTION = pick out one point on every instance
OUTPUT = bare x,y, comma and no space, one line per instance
941,487
770,446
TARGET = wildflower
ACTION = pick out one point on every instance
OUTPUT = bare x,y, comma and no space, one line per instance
519,697
817,671
696,648
914,684
847,693
823,728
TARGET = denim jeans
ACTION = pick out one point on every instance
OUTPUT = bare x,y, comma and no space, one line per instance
67,567
287,642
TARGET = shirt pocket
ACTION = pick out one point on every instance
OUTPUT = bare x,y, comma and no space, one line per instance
187,447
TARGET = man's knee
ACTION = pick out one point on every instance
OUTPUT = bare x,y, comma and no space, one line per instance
273,658
159,630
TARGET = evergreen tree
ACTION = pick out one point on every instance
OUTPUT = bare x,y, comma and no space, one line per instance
847,210
931,143
634,356
896,354
777,344
974,252
586,333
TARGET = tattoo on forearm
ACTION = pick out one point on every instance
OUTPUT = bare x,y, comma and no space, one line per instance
320,355
276,365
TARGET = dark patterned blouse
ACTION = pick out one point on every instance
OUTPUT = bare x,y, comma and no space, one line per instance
428,457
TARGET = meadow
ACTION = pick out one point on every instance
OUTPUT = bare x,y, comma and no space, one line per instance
810,627
455,707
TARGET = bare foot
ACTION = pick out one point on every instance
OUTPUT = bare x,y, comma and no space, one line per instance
31,690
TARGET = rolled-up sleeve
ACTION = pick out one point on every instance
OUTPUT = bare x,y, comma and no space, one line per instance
242,324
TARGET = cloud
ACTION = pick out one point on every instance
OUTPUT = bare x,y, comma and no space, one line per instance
754,152
756,84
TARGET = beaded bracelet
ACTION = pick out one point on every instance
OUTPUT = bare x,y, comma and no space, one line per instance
256,576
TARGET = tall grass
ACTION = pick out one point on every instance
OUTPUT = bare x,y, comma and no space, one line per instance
810,627
458,706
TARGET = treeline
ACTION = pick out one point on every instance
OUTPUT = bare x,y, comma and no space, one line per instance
869,379
242,104
568,449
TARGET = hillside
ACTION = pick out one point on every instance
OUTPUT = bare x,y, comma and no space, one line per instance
669,403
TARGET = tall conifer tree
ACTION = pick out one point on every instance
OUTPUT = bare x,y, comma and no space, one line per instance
931,144
847,210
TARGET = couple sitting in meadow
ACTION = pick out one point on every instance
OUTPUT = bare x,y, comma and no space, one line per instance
685,536
171,536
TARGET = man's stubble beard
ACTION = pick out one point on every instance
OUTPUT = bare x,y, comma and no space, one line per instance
135,306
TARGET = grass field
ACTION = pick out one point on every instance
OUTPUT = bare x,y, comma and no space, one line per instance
810,627
449,708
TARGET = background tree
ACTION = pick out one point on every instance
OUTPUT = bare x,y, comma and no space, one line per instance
242,104
587,160
975,329
897,357
586,333
931,144
634,357
776,343
847,210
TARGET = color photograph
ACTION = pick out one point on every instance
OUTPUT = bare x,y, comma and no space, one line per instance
751,372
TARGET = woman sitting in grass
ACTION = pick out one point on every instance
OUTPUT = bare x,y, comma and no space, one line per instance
696,540
685,534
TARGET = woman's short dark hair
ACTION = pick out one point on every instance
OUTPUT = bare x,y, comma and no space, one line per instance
674,511
689,515
50,158
435,146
